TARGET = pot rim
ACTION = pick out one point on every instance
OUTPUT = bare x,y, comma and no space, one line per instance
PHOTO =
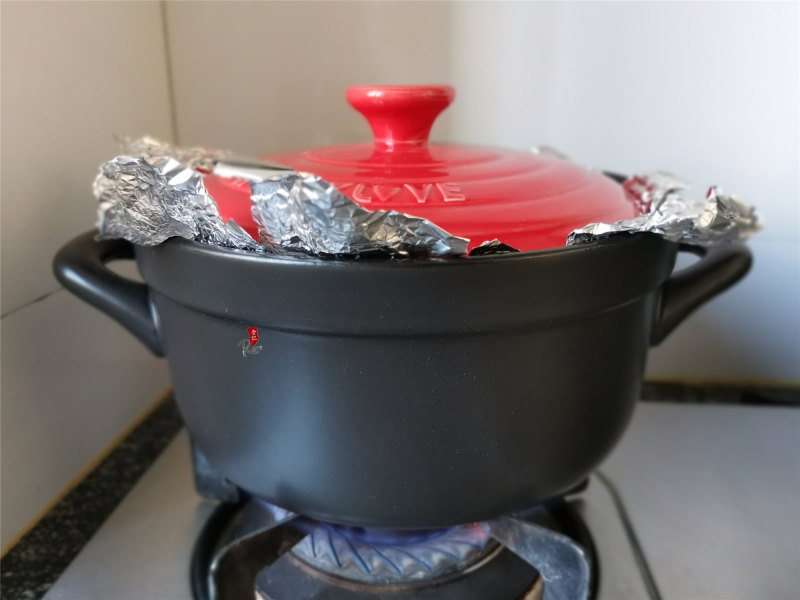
408,297
364,261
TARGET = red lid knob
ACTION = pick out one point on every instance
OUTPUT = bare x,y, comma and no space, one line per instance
400,114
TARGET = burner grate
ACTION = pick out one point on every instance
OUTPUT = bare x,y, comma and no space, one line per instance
320,561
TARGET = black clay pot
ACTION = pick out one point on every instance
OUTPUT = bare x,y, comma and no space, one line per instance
403,393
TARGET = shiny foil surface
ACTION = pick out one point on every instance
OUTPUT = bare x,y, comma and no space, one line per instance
149,148
155,191
299,211
147,203
669,213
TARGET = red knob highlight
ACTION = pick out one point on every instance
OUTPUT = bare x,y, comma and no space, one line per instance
400,115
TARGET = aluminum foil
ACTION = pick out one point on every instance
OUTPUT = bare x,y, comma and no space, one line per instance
155,191
149,202
667,212
490,247
160,195
150,148
249,169
302,212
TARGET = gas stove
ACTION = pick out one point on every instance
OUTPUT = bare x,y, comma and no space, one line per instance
697,502
546,552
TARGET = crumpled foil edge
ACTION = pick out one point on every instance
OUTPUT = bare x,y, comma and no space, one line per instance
303,212
149,201
666,211
155,191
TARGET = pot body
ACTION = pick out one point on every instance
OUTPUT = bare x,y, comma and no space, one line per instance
407,394
402,393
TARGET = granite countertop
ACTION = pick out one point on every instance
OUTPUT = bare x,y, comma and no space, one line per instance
31,567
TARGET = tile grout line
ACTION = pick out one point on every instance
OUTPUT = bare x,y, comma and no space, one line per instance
31,302
173,109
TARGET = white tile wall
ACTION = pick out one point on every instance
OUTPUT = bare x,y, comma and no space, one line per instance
269,76
73,74
72,380
710,91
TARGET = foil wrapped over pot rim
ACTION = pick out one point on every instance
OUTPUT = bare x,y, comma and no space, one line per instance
155,191
148,202
666,211
160,194
150,148
303,212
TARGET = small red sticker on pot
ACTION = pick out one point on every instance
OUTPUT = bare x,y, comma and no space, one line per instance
253,332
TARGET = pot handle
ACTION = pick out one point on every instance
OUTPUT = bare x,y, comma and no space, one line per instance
80,266
719,268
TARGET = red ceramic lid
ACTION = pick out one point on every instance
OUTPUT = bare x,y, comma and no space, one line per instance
525,200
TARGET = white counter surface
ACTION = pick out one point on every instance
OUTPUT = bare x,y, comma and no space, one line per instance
713,492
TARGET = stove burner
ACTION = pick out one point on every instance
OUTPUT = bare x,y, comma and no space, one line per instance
381,557
501,575
320,561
